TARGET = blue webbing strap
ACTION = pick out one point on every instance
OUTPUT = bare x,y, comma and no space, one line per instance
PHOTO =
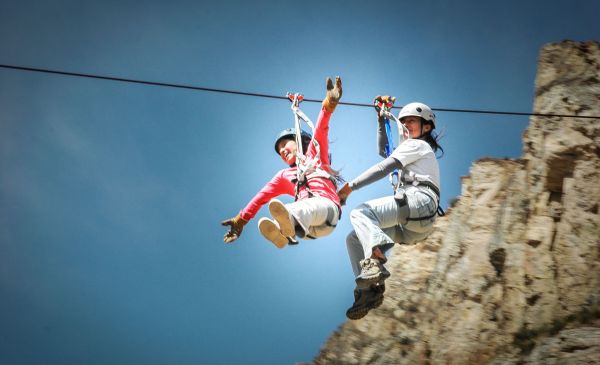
389,147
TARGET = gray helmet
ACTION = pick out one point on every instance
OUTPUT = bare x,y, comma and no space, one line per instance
418,110
290,133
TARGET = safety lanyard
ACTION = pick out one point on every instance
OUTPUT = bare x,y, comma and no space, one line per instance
384,110
304,166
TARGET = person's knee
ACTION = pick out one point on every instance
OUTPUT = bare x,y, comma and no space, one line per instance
360,212
352,239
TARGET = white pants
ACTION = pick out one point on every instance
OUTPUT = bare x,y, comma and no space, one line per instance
381,222
317,216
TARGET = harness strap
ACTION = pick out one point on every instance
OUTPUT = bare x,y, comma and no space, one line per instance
318,172
300,184
422,218
431,186
331,213
439,211
305,168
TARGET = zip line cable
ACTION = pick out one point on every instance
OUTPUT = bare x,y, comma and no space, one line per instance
235,92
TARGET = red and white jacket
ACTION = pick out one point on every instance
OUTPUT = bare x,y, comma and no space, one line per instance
284,180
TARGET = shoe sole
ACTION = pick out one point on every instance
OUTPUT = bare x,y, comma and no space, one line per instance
271,232
282,216
365,283
361,312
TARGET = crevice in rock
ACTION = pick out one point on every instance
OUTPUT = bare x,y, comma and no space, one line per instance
525,338
572,349
497,259
559,167
533,299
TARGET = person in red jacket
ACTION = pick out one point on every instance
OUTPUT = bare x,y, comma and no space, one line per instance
309,178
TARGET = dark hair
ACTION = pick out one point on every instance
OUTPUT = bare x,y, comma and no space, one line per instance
338,179
432,138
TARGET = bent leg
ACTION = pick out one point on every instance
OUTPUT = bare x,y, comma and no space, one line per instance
316,216
356,252
376,223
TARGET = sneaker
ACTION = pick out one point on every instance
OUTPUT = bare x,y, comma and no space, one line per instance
365,300
280,213
372,272
270,231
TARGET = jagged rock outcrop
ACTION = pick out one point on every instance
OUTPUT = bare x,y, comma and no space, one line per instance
512,274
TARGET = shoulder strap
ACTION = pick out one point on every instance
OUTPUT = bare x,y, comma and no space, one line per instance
305,166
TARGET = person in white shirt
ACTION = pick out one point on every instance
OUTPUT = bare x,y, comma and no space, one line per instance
405,217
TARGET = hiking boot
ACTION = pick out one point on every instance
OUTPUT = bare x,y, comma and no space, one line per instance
365,300
372,272
270,231
280,213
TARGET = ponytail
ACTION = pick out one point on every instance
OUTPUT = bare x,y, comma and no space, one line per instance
432,139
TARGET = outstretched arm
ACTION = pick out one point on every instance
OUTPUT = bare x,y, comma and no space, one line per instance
369,176
279,184
375,172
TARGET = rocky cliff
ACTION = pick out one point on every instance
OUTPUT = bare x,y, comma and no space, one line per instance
512,274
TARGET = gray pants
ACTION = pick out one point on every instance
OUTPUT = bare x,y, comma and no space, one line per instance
381,222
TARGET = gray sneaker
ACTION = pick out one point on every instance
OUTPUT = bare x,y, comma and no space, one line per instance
270,231
365,300
372,272
280,213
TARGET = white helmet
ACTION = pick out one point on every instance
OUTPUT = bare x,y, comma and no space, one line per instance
418,110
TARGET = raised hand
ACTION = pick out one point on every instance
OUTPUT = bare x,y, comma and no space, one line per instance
334,94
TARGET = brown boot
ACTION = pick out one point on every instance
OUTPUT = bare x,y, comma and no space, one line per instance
365,300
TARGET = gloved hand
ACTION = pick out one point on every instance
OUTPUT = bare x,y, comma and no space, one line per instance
385,100
334,94
344,192
237,224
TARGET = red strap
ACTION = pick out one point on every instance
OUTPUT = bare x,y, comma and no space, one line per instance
298,97
380,103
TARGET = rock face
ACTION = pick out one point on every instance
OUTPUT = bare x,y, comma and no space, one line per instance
512,274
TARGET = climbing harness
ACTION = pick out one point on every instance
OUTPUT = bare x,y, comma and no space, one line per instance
306,168
414,179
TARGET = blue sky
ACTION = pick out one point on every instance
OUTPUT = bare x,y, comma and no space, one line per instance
111,194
